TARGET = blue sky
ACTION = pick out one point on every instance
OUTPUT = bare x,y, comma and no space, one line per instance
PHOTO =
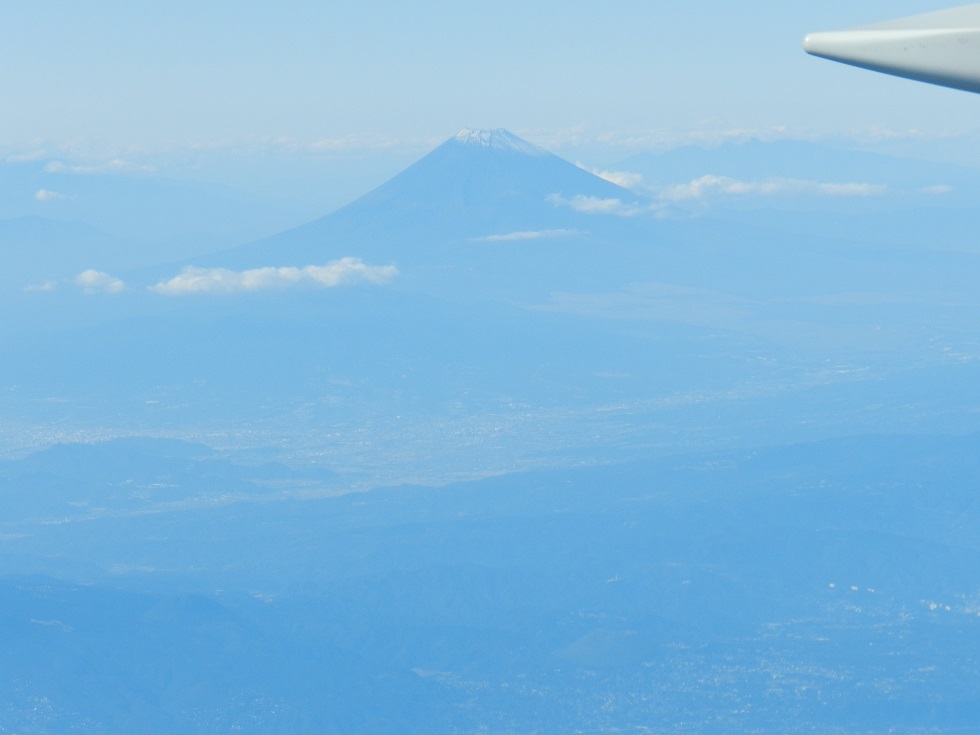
169,84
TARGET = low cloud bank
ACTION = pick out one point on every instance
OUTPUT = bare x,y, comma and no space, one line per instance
113,166
596,205
526,235
706,186
225,281
45,287
625,179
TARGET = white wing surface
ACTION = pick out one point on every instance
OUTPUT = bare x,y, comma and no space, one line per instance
939,48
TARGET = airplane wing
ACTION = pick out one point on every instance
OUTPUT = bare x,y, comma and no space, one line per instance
939,48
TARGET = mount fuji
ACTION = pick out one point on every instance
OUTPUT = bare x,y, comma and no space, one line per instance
479,186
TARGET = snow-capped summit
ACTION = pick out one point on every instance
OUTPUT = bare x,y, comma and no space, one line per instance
498,139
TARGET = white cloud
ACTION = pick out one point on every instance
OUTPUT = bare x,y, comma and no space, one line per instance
710,185
331,145
112,166
353,143
655,139
937,190
43,195
93,281
528,235
666,138
597,205
878,133
46,287
27,156
223,280
625,179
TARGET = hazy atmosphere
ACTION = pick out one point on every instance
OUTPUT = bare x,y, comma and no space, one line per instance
483,369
